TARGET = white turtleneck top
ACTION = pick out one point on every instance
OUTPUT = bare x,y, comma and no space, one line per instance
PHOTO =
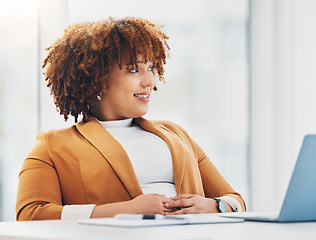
151,160
149,155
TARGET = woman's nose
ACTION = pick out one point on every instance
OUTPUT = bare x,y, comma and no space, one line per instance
148,79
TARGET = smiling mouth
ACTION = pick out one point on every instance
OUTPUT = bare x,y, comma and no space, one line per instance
142,95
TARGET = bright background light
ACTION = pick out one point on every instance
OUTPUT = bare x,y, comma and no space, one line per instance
249,114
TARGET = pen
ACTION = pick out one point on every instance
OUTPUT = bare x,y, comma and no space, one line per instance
145,217
138,216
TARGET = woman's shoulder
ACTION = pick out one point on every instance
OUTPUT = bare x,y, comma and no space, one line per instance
171,126
58,133
166,123
47,139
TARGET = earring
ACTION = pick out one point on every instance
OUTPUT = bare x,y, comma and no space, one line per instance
98,97
155,88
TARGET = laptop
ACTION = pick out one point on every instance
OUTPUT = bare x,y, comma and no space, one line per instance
299,204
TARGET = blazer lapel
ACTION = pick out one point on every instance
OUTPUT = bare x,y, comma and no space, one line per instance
175,146
113,152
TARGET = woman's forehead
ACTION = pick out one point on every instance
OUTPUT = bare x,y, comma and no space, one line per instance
140,59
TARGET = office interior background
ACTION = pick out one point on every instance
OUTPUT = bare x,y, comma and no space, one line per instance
241,80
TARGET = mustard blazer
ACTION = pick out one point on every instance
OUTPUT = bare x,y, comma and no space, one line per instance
84,164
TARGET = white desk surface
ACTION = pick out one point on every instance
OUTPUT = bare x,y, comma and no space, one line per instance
69,230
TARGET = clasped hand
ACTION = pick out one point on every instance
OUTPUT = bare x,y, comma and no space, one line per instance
191,204
180,204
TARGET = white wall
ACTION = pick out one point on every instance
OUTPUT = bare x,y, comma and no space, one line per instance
18,94
283,100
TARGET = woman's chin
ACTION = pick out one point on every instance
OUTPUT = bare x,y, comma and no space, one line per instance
139,114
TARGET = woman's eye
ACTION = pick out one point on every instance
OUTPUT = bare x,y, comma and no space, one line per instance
133,70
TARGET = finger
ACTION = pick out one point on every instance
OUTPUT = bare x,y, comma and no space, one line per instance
172,209
183,196
168,210
182,203
168,204
182,211
166,200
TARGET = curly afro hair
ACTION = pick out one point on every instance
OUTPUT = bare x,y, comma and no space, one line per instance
78,64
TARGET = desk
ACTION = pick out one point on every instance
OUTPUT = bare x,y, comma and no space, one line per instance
70,230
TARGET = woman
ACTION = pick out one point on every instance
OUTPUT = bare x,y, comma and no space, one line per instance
113,160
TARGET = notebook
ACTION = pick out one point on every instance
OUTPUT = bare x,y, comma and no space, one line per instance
133,220
300,200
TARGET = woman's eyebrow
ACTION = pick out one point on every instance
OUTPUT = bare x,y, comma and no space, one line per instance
143,62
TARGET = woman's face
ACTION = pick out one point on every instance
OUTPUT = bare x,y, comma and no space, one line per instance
128,92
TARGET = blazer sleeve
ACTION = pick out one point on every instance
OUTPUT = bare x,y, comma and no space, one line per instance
39,195
214,184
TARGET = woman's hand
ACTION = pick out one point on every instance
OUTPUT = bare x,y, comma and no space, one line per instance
190,204
144,204
151,204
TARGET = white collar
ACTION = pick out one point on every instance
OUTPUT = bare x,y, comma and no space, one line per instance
116,123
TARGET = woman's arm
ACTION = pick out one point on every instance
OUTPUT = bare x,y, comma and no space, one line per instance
143,204
40,192
192,204
39,196
214,184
